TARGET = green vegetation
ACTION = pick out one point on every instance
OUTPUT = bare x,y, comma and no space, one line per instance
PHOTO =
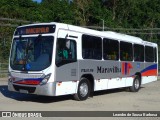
144,15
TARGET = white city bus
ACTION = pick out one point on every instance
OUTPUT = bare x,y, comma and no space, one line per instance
56,59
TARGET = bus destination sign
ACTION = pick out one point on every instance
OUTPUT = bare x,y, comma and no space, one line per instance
38,29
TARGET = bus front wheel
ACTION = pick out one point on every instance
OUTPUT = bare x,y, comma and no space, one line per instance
83,91
136,84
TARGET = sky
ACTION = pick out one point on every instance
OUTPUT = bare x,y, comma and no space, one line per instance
38,1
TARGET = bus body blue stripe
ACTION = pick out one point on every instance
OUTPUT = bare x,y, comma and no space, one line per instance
149,68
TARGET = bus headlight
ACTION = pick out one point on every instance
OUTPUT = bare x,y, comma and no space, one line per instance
9,77
45,79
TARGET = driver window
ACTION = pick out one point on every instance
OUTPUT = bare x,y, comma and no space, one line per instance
66,51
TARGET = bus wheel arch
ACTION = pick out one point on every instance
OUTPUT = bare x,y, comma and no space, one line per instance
140,76
86,83
136,83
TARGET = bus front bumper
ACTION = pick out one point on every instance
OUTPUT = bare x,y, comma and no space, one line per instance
48,89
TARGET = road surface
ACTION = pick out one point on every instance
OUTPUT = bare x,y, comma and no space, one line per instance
147,99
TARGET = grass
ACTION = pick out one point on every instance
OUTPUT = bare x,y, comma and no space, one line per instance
3,75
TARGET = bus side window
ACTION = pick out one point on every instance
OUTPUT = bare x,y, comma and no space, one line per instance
149,54
110,49
138,53
126,51
155,54
91,47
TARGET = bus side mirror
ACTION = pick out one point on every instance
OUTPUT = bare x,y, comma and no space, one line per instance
68,43
63,43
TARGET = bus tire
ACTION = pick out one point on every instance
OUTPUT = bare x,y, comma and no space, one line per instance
83,91
136,84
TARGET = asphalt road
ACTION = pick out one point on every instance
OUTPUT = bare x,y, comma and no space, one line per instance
147,99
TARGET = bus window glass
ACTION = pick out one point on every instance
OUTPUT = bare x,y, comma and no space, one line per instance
91,47
155,54
149,54
126,51
110,49
138,53
66,51
31,53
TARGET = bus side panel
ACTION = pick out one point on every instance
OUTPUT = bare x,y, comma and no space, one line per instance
64,88
105,73
127,74
100,84
149,73
116,83
148,79
129,71
129,81
66,78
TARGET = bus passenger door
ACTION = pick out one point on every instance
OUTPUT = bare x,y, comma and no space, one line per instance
66,64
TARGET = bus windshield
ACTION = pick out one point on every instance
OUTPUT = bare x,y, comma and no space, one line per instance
31,53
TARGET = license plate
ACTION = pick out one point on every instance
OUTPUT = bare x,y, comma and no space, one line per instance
23,91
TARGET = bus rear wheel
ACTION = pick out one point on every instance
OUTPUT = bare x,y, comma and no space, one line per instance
136,84
83,91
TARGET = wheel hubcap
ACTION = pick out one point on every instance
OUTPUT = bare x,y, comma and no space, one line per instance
136,84
83,89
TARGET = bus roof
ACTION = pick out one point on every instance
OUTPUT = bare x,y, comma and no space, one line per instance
107,34
111,35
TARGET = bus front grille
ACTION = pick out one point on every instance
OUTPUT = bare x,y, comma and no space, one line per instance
29,89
